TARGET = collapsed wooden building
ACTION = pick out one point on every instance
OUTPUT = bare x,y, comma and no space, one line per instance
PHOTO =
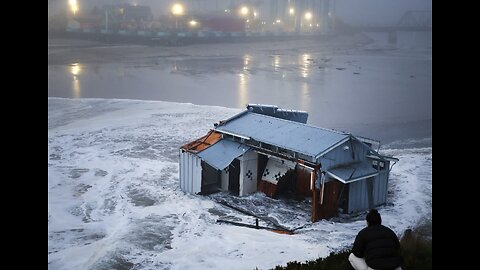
274,151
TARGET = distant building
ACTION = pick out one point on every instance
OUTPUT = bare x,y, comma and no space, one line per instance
274,151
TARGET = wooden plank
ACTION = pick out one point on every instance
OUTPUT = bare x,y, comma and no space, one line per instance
268,188
329,208
314,199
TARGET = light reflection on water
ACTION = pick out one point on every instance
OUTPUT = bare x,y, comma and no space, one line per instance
360,93
243,81
242,89
76,88
276,62
75,70
305,101
246,61
304,63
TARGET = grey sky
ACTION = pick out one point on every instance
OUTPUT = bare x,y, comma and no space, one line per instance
377,12
353,12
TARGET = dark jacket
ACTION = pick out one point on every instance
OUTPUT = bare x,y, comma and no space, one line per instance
379,246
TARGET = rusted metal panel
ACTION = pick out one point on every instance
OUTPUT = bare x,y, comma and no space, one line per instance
203,142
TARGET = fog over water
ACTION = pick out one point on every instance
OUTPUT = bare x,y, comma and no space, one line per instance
359,83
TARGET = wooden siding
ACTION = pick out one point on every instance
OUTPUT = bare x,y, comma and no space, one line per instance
302,182
329,207
268,188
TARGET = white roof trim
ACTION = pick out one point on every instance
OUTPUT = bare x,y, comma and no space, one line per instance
336,177
232,134
354,180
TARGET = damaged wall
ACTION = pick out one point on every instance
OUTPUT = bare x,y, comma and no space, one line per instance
248,173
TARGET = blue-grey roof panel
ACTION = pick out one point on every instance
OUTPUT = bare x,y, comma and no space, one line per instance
221,154
298,137
354,171
272,110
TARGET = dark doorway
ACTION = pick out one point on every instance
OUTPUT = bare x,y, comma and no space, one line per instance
211,179
343,198
234,177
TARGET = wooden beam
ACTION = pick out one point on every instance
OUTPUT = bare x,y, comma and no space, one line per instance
314,197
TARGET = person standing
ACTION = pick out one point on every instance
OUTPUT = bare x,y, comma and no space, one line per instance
375,247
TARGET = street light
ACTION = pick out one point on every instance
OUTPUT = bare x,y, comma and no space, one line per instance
244,11
193,23
291,11
73,6
308,18
177,10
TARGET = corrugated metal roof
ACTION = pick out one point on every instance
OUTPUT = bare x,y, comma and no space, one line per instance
298,137
221,154
272,110
353,172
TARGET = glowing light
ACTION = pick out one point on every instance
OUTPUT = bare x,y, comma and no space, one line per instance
75,69
193,23
244,11
243,83
291,11
177,9
254,14
278,21
246,61
305,63
276,62
73,6
308,15
76,88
